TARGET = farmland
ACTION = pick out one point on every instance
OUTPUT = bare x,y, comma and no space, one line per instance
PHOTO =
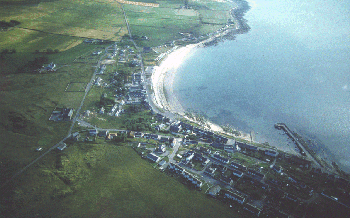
54,31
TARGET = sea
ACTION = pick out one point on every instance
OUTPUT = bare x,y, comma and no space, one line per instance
292,66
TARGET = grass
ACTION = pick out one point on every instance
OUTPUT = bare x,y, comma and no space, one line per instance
109,180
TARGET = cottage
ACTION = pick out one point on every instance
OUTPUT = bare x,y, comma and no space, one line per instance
240,146
103,133
175,128
161,148
217,145
153,157
214,190
111,136
67,113
138,134
163,139
205,150
237,173
162,163
93,132
210,171
220,158
62,146
75,136
176,168
271,153
255,175
236,196
226,180
253,209
240,167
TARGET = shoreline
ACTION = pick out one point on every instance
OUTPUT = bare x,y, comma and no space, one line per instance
163,76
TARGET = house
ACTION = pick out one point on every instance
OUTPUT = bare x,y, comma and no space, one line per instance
162,163
154,136
111,136
75,136
147,49
102,110
163,140
67,113
210,171
175,128
217,145
103,133
229,148
186,126
271,153
240,146
96,52
226,180
138,134
277,169
214,190
62,146
235,195
255,175
176,168
153,157
240,167
253,209
93,132
237,173
220,158
161,148
205,150
98,81
50,67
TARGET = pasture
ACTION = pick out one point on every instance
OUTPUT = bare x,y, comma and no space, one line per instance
107,180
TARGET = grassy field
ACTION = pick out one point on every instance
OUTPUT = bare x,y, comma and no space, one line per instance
106,180
27,99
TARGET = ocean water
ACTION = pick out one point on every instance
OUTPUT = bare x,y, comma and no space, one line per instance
293,66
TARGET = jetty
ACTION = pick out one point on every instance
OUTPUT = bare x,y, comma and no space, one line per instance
303,151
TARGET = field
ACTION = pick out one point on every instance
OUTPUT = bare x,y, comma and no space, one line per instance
54,31
106,180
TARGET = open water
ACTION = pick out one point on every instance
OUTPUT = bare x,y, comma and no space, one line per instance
293,66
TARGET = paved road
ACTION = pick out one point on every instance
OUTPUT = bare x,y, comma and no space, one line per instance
88,87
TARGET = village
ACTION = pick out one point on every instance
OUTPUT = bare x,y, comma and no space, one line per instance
245,175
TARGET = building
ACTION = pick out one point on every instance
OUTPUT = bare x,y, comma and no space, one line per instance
67,113
176,168
93,132
237,173
255,174
138,135
271,153
62,146
214,190
153,157
161,148
217,145
240,167
240,146
220,158
111,136
236,196
253,209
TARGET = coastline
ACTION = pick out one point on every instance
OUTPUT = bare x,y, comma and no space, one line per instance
163,97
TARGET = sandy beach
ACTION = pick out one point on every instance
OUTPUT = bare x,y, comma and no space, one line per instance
163,76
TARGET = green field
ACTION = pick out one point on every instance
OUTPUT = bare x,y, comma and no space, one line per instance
106,180
28,97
